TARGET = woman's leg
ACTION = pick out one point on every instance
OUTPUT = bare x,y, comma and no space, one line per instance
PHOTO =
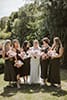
18,81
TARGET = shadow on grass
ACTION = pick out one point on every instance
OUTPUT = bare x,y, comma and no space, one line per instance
54,91
31,89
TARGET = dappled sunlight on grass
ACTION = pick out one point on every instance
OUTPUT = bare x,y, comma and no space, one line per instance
34,92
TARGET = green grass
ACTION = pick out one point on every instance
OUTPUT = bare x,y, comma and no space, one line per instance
34,92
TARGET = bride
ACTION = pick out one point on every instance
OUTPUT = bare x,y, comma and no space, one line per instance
35,63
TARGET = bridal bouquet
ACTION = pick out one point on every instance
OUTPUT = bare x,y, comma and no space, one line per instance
35,54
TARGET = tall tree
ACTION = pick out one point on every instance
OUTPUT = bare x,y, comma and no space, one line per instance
57,22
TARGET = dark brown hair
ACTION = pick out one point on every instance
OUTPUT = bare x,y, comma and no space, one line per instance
46,40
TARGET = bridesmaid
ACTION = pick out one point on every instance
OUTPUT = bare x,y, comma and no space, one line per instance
26,68
44,60
18,67
9,73
54,70
35,63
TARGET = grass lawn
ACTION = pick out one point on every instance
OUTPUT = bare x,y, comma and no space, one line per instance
34,92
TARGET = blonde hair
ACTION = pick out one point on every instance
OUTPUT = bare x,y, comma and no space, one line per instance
16,41
57,42
6,42
36,41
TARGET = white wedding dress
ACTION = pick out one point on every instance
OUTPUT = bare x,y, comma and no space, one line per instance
35,66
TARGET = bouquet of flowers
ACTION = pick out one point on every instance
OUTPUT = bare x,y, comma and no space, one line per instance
18,63
24,55
11,53
52,53
21,54
35,54
44,56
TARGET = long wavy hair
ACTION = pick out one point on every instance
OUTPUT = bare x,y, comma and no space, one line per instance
18,44
57,43
5,45
26,45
